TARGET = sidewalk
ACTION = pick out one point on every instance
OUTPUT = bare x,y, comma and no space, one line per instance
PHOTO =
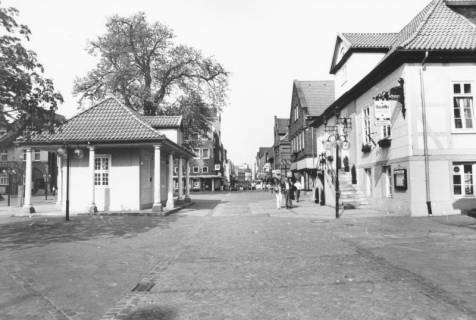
49,208
306,208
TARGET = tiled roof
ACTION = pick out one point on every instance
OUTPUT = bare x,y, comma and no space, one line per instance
158,122
437,27
316,96
282,125
107,121
369,40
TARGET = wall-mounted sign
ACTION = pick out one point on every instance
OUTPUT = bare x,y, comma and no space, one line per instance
382,112
217,167
400,179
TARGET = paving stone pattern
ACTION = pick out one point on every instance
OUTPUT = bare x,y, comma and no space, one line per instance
243,264
235,256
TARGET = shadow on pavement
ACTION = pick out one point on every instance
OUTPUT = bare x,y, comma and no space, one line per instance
206,204
42,231
152,312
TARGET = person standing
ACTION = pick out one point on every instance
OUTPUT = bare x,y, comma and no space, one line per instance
288,188
278,194
298,187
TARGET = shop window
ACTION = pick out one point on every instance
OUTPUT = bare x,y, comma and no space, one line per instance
196,170
205,169
463,113
206,153
463,181
102,163
3,155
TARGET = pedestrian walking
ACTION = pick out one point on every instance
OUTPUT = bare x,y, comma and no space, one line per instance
278,194
297,188
288,187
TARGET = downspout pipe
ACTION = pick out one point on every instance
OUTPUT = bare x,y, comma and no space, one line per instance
425,135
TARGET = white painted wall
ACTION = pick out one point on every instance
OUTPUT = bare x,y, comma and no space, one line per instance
123,191
446,144
355,68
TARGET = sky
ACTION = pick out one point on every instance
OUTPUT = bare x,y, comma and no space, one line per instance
264,44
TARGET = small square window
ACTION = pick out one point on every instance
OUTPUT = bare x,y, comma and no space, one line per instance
456,88
205,153
205,169
467,88
197,153
195,170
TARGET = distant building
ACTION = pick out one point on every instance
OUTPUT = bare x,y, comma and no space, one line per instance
208,167
281,148
12,160
309,100
264,163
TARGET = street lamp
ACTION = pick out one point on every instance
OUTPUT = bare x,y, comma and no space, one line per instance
337,136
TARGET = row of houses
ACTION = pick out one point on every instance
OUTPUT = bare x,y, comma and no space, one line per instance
394,129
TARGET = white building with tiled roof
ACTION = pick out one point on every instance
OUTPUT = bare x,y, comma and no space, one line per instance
111,158
415,152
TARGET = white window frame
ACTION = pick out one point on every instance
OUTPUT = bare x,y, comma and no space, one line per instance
101,172
3,155
203,169
3,179
36,155
386,131
197,153
203,153
463,179
462,94
197,169
367,123
296,113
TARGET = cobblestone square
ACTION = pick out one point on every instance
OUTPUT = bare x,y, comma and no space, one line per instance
228,257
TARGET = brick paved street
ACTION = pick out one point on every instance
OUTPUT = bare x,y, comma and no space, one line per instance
234,256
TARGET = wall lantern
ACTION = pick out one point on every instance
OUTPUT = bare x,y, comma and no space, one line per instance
78,153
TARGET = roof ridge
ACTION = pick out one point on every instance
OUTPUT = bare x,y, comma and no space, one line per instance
422,24
133,114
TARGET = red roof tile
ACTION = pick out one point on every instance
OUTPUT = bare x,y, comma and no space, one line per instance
107,121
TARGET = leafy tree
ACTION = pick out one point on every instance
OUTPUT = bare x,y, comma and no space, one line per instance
196,116
28,100
141,64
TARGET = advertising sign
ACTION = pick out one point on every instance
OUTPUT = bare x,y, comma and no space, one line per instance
217,167
382,112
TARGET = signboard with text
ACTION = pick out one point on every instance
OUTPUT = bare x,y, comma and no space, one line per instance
382,112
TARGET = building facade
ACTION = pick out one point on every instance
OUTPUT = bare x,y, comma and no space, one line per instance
412,112
281,148
309,100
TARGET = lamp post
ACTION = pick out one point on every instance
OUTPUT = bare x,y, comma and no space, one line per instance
337,135
9,172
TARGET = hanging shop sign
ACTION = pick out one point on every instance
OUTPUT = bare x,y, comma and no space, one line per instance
382,112
217,167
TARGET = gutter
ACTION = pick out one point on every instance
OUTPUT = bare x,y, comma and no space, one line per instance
425,135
